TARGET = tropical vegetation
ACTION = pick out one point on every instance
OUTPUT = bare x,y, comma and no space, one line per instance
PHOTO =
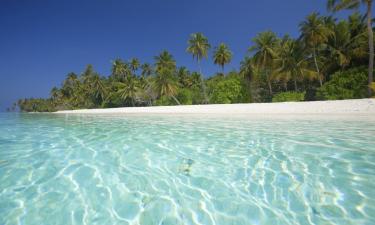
330,59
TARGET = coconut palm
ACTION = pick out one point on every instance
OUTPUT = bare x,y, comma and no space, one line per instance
343,46
336,5
222,55
146,70
165,61
145,83
87,74
134,65
55,93
247,68
198,46
292,63
98,88
264,48
128,90
70,84
165,84
120,70
315,33
183,75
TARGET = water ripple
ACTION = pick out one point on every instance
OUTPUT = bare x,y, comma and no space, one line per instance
79,169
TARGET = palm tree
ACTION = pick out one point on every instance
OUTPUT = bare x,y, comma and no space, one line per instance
183,75
134,65
145,84
343,46
198,47
128,89
165,84
55,93
314,32
292,63
87,74
98,87
336,5
247,68
164,61
264,49
222,55
70,84
165,81
146,70
120,70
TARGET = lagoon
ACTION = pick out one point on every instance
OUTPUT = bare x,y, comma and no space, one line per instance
186,169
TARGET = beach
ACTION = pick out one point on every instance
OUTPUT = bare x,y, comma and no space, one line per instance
355,106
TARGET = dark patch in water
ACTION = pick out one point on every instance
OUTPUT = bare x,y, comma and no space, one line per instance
185,166
315,211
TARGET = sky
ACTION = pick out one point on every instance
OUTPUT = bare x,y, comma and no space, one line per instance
41,41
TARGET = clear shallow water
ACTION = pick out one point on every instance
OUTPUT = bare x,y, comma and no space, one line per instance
57,169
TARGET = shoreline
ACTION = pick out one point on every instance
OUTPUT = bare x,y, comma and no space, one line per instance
353,106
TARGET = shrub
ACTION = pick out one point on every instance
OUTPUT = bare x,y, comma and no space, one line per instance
345,85
164,100
184,96
226,91
289,96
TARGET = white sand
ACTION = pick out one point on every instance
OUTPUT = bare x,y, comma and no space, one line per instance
356,106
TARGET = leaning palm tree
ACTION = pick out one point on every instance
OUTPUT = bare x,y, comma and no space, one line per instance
165,84
198,47
264,48
315,33
336,5
222,55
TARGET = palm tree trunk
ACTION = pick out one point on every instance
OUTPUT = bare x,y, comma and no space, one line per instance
269,86
175,99
202,83
317,67
371,47
295,84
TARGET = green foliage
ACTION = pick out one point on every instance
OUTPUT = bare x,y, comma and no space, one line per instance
226,90
348,84
185,96
309,64
222,55
290,96
36,105
164,100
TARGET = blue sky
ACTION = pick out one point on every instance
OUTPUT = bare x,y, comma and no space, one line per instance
43,40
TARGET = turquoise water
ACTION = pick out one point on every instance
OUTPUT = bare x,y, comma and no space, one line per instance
57,169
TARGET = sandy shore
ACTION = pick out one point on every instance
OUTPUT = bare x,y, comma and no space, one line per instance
357,106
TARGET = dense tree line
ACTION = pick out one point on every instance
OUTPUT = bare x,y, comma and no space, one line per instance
329,60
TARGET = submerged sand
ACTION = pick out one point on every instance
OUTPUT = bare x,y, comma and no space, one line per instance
355,106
